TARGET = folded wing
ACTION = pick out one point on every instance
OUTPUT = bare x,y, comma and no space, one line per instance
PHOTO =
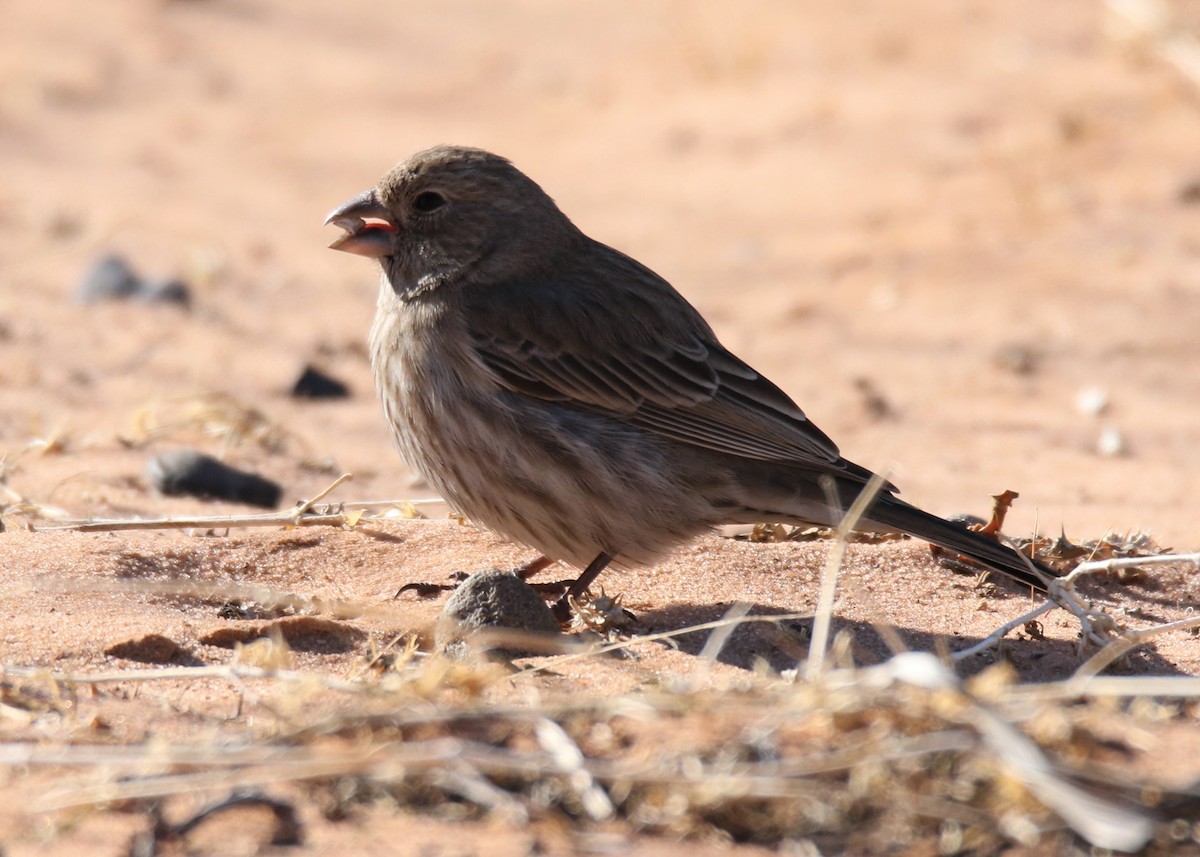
615,338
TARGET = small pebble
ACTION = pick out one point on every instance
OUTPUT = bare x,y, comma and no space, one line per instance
1111,443
112,278
109,279
1189,192
164,291
493,599
315,384
187,472
1092,401
1018,358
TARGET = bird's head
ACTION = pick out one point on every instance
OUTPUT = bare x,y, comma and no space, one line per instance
453,215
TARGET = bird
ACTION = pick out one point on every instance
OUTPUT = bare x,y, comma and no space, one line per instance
562,394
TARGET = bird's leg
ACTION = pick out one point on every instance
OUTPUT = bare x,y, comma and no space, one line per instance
589,575
526,571
562,607
532,567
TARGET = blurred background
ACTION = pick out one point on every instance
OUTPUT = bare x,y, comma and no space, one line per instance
965,237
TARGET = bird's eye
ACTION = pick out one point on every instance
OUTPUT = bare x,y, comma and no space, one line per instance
428,201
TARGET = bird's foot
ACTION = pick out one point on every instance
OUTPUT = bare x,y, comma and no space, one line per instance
604,614
563,608
428,590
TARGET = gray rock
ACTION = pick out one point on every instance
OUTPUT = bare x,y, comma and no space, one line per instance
494,599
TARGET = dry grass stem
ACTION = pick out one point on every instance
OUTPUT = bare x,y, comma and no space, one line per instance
720,636
1126,687
994,638
823,615
1149,24
662,636
903,739
1103,823
1097,629
210,414
304,514
235,673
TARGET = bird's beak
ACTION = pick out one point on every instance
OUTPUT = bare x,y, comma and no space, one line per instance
368,224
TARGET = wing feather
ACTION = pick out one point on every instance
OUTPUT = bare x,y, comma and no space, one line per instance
613,337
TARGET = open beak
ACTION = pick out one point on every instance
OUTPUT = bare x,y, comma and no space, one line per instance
368,224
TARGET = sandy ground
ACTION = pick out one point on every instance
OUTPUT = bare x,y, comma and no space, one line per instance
943,229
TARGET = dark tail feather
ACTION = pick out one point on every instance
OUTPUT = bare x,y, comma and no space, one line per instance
890,513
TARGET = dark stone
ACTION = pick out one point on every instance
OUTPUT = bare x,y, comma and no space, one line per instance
187,472
165,291
315,384
109,279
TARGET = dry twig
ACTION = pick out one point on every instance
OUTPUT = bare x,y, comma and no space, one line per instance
1098,629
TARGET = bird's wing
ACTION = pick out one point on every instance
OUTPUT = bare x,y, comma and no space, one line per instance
615,338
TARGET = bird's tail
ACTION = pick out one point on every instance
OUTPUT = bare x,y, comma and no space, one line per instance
888,512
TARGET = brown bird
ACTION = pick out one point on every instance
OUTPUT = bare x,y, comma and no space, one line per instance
564,395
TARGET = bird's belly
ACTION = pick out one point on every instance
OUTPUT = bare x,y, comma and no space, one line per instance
567,483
